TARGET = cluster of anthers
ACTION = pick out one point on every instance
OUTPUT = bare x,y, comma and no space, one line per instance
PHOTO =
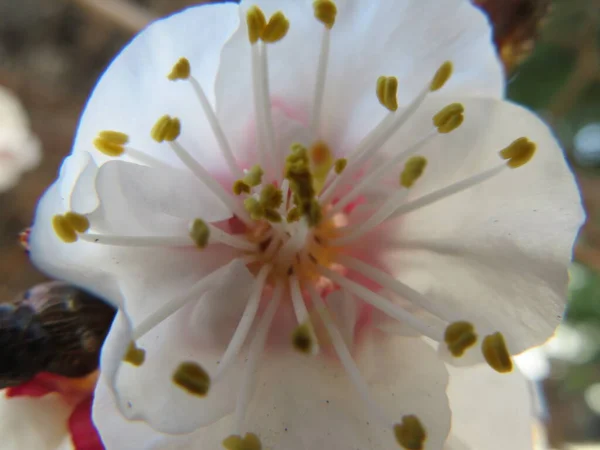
296,225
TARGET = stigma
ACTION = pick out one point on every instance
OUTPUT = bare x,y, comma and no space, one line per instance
297,217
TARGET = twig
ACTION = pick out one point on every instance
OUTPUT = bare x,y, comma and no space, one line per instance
126,15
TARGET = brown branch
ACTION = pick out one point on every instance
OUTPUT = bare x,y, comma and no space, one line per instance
122,13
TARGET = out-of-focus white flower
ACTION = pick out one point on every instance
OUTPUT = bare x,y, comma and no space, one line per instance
34,423
295,224
20,149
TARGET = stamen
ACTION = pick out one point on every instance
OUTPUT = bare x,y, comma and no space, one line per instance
340,165
173,305
167,128
346,358
241,332
496,353
206,178
134,355
387,92
302,339
63,229
393,209
136,241
256,21
390,283
254,353
413,169
325,12
302,316
267,115
111,143
379,173
373,143
253,206
181,70
383,304
276,28
271,197
297,171
321,161
191,377
77,222
460,336
199,232
519,152
240,187
259,99
254,176
442,75
449,118
249,442
410,434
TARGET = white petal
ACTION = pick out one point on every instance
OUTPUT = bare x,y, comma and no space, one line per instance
199,332
134,91
498,252
490,411
408,39
33,423
141,200
308,403
78,263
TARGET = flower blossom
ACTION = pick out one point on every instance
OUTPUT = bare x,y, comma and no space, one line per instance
19,147
307,212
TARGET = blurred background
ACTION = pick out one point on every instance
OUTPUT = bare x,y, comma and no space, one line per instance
52,52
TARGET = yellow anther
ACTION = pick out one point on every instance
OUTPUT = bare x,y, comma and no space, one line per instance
340,165
453,123
459,337
293,215
256,21
111,143
276,28
519,152
449,118
192,378
271,197
442,75
413,169
496,353
200,233
77,222
253,206
167,128
249,442
302,339
410,434
134,355
63,229
254,176
241,187
387,92
325,12
181,70
272,215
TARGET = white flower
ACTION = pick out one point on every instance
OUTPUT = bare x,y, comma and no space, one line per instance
19,148
34,423
349,301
